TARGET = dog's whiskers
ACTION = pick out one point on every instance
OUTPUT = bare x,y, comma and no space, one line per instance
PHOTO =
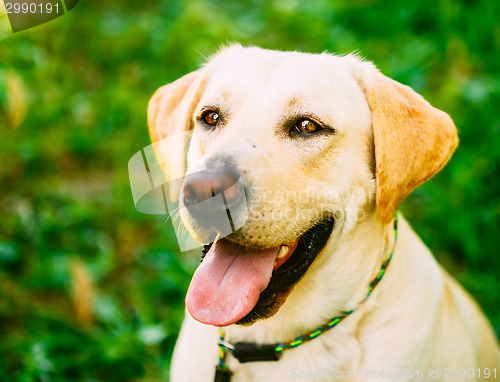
175,211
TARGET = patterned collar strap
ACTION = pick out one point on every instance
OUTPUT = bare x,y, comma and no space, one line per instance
252,352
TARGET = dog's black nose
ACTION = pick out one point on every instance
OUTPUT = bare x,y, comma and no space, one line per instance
216,198
204,185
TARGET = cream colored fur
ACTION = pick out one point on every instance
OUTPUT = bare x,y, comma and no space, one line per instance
387,141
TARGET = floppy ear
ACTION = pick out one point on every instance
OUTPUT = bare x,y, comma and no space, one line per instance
170,115
412,139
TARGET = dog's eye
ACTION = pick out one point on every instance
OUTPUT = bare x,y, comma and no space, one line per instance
210,117
307,126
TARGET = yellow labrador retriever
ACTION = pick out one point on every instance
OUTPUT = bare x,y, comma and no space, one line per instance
317,280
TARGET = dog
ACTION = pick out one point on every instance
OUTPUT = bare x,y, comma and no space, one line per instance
327,147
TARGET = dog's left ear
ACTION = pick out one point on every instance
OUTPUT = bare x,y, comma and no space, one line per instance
170,117
412,139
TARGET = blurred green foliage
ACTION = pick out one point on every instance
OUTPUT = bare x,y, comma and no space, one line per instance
73,98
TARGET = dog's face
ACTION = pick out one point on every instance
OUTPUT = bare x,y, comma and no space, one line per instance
319,143
298,130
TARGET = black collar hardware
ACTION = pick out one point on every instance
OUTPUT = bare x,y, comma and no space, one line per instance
248,352
222,375
252,352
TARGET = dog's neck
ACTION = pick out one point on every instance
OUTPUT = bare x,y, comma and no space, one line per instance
339,278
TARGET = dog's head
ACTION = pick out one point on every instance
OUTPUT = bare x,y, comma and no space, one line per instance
302,147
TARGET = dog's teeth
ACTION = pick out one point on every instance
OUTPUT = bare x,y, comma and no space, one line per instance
283,251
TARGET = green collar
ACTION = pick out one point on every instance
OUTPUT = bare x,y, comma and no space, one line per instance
252,352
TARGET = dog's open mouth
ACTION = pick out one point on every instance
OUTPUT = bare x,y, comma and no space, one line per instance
239,285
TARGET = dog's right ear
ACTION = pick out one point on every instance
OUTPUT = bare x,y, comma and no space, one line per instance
170,117
412,139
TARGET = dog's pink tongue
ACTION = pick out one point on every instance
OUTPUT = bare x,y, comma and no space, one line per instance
227,284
